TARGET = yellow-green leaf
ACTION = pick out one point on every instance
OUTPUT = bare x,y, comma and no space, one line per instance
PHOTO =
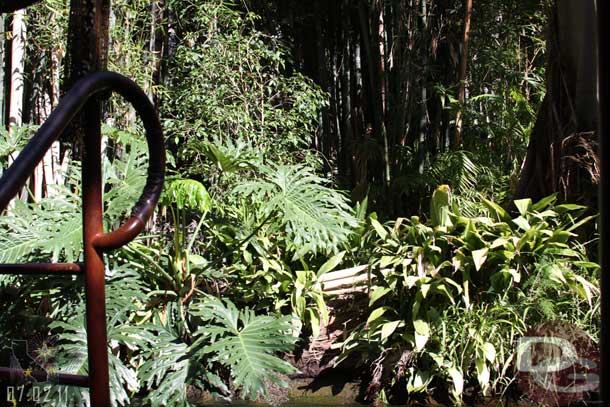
523,205
377,293
331,264
490,352
458,380
482,372
422,333
315,323
379,228
386,261
376,314
479,257
388,329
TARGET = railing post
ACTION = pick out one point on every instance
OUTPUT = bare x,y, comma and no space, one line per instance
97,341
83,98
88,52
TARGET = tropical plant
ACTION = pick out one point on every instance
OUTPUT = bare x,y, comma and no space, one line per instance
125,295
221,336
245,343
437,293
315,218
228,84
51,229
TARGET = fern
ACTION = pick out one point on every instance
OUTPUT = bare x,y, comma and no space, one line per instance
456,169
245,343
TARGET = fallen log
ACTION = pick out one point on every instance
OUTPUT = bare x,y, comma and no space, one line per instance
353,279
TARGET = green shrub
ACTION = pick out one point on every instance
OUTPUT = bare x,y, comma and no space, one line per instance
451,300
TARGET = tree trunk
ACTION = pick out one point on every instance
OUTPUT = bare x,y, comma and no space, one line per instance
157,47
424,121
16,82
562,155
347,139
55,164
370,40
87,52
16,78
322,73
2,105
462,75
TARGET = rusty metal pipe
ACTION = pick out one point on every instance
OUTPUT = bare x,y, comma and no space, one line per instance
95,287
42,268
59,378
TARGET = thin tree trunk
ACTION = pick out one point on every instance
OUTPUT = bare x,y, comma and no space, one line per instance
424,121
409,87
51,161
347,138
2,70
325,135
16,84
17,67
54,173
360,126
157,47
462,74
380,47
370,40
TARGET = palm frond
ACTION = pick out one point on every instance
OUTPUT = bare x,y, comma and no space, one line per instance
456,169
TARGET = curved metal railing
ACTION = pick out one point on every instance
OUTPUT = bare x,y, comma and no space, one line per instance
15,177
95,240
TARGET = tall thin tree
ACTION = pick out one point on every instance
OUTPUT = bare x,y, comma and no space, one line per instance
462,75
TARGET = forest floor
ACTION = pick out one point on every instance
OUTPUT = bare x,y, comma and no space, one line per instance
320,383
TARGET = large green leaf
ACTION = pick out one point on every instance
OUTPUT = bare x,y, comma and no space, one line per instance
246,343
166,370
187,193
315,217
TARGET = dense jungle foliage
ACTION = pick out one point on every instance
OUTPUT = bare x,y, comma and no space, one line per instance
304,138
